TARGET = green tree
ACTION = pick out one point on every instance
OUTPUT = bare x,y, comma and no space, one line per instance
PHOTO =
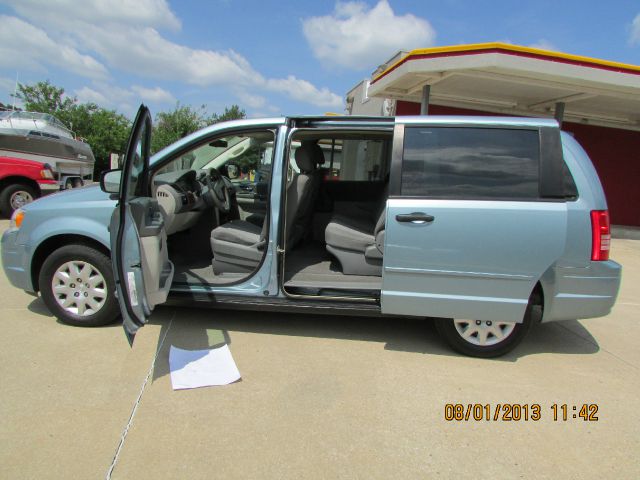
234,112
45,98
106,131
176,124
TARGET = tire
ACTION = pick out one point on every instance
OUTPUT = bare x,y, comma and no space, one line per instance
15,196
94,302
74,182
452,330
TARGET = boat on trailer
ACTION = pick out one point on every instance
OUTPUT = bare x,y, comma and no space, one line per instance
43,138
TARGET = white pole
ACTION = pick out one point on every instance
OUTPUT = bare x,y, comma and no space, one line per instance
15,91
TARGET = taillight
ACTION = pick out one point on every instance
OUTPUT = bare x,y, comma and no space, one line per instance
600,235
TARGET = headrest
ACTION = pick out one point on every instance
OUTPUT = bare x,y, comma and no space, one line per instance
308,156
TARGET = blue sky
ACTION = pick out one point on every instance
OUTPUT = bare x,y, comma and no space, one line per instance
273,57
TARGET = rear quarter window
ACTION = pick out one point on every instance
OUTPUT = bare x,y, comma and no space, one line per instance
470,163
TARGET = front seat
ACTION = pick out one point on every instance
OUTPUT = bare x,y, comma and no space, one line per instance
238,245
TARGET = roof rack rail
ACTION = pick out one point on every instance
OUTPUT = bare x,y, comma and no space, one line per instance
334,120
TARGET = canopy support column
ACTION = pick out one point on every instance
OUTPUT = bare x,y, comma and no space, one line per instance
559,112
424,104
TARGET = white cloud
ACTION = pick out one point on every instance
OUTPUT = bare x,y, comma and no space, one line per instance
125,35
250,100
357,37
147,53
90,95
155,95
7,84
136,13
7,87
634,38
544,44
23,45
109,96
304,91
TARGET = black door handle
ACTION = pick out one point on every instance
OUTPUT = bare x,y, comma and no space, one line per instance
415,217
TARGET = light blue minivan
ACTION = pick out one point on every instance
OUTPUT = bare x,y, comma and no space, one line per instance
485,225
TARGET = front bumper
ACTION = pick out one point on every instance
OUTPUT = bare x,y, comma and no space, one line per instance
48,185
16,261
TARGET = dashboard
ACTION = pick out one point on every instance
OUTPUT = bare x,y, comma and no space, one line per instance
183,185
179,194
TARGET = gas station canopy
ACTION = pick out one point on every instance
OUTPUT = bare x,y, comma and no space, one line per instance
515,80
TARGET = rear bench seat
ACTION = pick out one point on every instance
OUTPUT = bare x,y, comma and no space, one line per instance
358,242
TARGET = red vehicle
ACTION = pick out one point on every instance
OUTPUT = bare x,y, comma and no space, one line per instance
22,181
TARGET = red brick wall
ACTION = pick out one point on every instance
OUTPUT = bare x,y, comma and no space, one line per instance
614,152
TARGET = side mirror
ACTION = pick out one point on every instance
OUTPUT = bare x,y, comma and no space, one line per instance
233,171
110,181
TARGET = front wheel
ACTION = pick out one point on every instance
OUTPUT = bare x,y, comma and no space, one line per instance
76,283
15,196
481,338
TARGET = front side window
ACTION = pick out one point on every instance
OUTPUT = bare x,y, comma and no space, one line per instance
474,163
138,163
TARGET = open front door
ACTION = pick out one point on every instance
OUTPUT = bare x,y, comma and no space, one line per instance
142,270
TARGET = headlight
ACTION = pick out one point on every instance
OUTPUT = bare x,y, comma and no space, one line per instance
16,218
46,172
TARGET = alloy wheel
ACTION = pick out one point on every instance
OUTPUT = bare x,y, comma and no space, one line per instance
483,333
79,288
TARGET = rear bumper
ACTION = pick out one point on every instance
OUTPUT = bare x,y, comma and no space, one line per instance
572,293
16,261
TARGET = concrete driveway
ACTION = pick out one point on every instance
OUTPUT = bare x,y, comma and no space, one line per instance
320,397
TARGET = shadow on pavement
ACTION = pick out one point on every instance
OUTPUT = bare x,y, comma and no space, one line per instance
568,337
196,332
202,328
196,328
38,307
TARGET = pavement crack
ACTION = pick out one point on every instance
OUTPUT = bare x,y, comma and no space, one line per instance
123,436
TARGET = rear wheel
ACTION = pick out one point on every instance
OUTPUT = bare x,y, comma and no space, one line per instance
76,283
482,338
15,196
73,182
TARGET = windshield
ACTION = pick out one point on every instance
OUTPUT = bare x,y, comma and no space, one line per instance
206,155
245,151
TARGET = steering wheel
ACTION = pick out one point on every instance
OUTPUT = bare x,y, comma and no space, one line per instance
219,187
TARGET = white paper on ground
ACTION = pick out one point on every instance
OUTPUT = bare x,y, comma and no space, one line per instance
202,368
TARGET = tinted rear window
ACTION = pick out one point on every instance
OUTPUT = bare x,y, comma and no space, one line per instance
489,163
